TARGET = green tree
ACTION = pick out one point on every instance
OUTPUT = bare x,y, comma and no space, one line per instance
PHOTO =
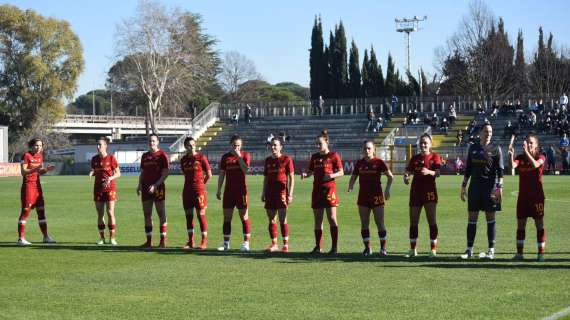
354,72
391,77
367,85
520,71
339,68
316,60
41,59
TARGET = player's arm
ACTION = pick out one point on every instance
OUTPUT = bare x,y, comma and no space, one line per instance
242,162
139,186
290,185
116,174
514,163
340,171
390,177
535,163
466,175
207,169
163,175
337,174
306,174
208,176
221,178
351,182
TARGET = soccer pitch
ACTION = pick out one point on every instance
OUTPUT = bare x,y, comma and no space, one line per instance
76,279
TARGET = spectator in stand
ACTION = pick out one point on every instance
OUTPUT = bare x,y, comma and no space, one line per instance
415,116
523,120
564,141
451,114
494,113
235,118
550,159
371,121
472,127
284,137
532,119
480,116
533,106
510,107
434,120
540,107
547,125
563,101
504,107
444,125
247,113
394,103
565,155
379,124
518,107
509,129
388,114
459,138
459,165
319,105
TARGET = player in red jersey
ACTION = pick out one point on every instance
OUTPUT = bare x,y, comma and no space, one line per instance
106,170
233,168
151,188
197,172
278,185
325,165
368,171
530,202
423,193
31,167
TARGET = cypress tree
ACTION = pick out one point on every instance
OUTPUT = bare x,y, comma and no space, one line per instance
366,80
391,77
521,82
354,72
315,59
376,80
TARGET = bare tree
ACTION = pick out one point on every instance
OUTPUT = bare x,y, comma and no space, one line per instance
236,70
169,51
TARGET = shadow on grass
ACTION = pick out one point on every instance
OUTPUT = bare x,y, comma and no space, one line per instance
395,260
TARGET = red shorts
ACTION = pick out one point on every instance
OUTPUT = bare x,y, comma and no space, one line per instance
420,197
234,199
32,197
370,200
158,195
530,208
324,197
276,200
194,199
105,196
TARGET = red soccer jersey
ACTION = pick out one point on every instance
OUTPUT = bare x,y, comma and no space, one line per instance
33,161
195,168
152,164
322,164
420,182
530,181
369,173
235,177
277,169
104,167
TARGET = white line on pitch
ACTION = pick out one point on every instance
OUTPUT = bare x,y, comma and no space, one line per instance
558,314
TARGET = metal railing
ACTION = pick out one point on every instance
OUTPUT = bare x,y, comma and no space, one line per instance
79,118
205,119
431,104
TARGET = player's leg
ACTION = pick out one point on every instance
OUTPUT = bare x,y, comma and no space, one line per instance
331,217
430,209
42,220
521,235
100,207
161,211
203,227
318,215
246,228
227,228
382,233
364,213
540,237
111,222
284,228
491,234
471,232
413,233
272,228
147,211
189,212
22,219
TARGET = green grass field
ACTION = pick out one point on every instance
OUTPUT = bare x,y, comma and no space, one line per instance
76,279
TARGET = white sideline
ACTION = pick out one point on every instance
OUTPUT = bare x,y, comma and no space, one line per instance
558,314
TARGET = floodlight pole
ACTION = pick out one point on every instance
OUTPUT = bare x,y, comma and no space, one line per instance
408,25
